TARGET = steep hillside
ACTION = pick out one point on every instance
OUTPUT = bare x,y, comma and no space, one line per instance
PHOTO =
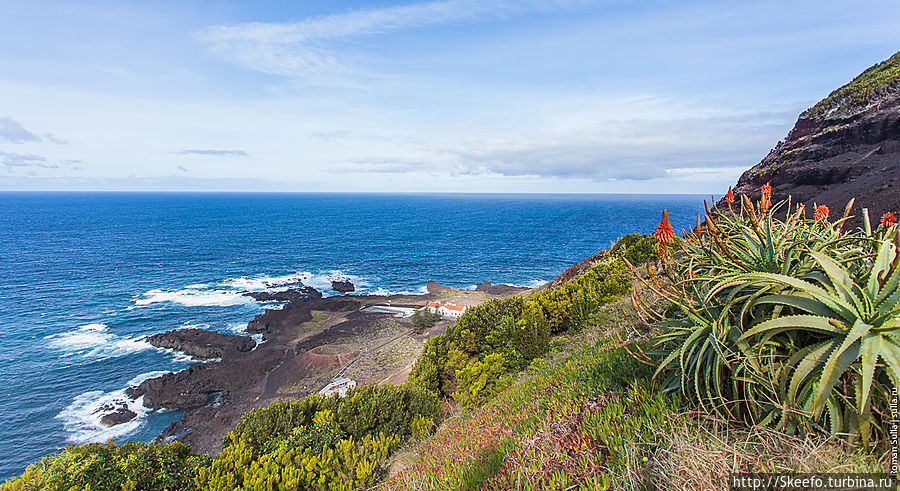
846,146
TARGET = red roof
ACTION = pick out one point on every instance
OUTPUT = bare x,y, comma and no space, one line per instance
434,304
454,307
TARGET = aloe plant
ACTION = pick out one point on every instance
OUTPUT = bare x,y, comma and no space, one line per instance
855,329
786,321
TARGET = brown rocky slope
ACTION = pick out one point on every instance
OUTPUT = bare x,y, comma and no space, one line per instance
846,146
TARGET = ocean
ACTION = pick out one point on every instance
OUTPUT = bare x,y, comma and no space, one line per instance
85,276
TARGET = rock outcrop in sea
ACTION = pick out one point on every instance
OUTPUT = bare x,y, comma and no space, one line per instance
202,344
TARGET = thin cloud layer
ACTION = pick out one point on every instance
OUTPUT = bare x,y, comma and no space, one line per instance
304,49
13,132
14,160
212,152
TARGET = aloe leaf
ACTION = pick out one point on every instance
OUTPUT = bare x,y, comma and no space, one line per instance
882,264
841,280
869,351
838,361
803,303
890,353
836,421
837,304
790,322
817,354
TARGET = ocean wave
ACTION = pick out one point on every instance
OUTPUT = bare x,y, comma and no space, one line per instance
230,292
93,341
532,284
241,330
94,327
81,419
264,282
191,297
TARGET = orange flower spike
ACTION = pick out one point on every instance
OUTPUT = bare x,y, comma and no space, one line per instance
664,234
821,214
888,220
729,196
766,200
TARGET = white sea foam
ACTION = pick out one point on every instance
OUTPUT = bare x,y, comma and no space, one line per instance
94,341
264,283
81,419
231,291
194,325
94,327
240,330
533,284
192,297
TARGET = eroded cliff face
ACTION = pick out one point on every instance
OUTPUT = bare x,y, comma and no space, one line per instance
847,146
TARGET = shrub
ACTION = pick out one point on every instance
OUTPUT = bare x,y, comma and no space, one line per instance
480,381
130,466
368,410
423,319
516,329
785,322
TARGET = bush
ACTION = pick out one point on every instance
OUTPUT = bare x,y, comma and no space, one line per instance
368,410
130,466
480,381
423,319
515,328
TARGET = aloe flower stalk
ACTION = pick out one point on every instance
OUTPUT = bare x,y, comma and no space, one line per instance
765,202
888,220
664,234
821,214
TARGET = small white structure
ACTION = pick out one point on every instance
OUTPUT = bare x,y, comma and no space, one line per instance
446,309
339,386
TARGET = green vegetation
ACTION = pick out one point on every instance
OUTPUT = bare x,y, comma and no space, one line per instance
500,336
636,248
585,421
757,340
423,319
789,323
318,443
130,466
875,81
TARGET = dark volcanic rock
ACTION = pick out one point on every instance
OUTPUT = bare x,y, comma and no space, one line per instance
847,146
202,344
434,287
500,289
291,294
119,414
344,286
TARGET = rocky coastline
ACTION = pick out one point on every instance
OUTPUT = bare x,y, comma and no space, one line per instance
306,342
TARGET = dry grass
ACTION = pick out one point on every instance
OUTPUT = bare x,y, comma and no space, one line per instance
701,454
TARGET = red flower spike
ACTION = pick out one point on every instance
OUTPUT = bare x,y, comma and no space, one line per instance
664,234
729,196
888,220
766,200
821,214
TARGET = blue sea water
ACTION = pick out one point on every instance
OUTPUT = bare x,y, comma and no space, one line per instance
84,276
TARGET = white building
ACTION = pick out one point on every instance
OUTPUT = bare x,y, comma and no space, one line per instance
339,386
446,309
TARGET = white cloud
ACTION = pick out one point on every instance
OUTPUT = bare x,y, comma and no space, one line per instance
305,49
13,131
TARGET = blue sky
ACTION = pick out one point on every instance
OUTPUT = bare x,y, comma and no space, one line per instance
443,96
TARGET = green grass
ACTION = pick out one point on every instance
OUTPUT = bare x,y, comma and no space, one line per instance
861,90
